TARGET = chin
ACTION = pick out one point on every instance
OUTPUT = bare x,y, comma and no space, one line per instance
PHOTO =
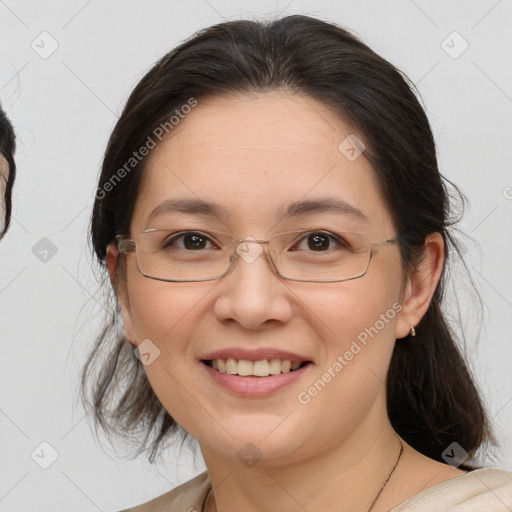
267,439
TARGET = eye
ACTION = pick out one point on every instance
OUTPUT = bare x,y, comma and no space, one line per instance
320,241
190,241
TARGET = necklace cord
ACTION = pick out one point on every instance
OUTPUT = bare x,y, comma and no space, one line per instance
388,477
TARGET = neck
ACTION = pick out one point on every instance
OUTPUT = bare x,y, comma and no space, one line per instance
351,474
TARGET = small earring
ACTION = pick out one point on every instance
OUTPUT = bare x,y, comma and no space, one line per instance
413,331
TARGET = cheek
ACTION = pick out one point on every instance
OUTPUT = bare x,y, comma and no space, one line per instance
168,314
357,328
164,312
356,321
362,336
360,309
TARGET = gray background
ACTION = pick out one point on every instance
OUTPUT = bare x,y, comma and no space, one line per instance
64,106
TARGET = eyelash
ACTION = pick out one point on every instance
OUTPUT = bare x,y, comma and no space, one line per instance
332,237
336,238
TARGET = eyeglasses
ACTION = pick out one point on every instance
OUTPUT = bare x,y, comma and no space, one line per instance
311,256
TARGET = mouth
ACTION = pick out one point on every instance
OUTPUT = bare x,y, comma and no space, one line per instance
259,368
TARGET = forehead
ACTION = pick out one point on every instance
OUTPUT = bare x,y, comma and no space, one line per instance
254,154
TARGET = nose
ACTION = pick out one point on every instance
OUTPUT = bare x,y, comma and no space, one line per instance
252,294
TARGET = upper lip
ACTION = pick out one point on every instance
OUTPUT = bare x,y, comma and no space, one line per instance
254,355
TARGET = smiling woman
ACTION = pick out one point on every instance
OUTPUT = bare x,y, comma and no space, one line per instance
288,238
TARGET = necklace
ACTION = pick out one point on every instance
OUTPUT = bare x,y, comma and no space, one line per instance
387,478
378,494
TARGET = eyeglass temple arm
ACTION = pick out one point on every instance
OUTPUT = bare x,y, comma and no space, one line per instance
125,245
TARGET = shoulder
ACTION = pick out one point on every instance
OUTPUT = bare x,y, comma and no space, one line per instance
187,497
481,489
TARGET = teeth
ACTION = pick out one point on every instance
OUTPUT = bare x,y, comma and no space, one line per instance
275,366
262,368
245,367
231,366
286,366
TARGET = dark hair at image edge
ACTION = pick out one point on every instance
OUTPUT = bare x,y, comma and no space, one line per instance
432,399
7,149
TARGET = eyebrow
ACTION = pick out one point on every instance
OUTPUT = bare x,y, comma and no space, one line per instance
190,206
295,209
323,205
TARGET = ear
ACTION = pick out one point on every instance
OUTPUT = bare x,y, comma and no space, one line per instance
121,292
421,285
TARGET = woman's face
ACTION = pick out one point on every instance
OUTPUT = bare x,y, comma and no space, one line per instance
253,157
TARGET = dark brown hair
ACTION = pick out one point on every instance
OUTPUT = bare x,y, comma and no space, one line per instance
432,399
7,149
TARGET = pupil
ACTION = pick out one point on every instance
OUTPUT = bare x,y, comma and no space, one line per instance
318,242
194,242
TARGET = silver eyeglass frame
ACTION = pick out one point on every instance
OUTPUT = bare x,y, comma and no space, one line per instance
127,245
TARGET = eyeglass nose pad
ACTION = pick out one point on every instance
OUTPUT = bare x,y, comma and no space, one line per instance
249,249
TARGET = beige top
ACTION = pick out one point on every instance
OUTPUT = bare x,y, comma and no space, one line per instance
480,490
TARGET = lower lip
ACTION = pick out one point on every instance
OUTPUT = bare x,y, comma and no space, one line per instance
252,386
